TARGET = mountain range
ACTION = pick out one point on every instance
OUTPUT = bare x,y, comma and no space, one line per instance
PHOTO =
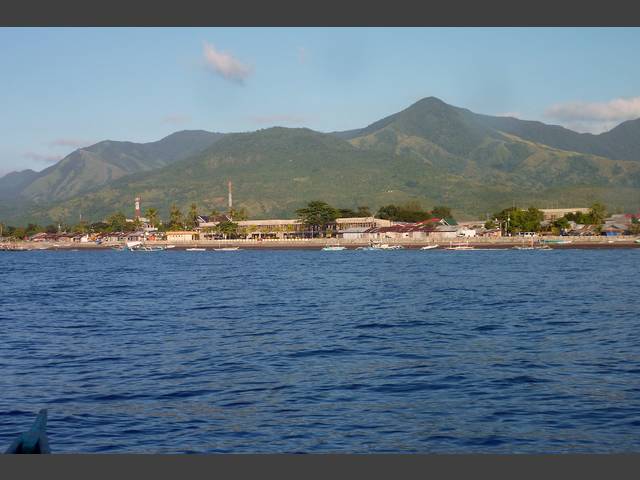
431,152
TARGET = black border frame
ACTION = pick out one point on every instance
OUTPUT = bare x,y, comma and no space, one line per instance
279,13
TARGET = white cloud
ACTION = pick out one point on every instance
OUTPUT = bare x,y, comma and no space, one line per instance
277,119
42,158
225,65
595,117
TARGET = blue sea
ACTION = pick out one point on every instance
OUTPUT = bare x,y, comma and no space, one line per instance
305,351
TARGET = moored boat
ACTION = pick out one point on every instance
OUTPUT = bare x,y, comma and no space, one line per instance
332,248
380,246
460,246
147,248
429,247
195,249
556,242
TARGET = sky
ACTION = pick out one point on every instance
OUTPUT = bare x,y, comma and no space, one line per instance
66,88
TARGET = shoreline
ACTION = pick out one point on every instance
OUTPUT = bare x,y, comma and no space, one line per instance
318,243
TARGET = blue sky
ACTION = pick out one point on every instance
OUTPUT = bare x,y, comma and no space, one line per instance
63,88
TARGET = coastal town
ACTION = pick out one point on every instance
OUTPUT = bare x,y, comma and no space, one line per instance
319,224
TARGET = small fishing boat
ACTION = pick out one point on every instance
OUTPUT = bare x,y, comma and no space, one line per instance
195,249
460,246
386,246
637,240
429,247
34,440
333,248
13,248
226,249
142,247
147,248
556,242
132,245
380,246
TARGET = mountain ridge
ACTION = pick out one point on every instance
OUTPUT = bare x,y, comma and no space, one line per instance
92,167
431,152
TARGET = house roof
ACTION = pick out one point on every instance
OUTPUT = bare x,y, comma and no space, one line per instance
268,223
403,228
446,228
355,219
217,219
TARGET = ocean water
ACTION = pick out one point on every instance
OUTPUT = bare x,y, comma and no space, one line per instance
310,351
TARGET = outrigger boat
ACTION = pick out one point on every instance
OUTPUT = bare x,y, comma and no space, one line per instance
141,247
556,242
460,246
7,247
380,246
333,248
524,247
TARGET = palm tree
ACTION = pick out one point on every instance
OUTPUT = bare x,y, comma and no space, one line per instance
228,229
175,217
152,216
192,216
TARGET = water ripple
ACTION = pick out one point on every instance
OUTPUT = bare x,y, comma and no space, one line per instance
305,351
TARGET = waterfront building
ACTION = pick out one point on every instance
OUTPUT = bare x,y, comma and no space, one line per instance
272,228
182,236
354,233
552,214
207,221
360,222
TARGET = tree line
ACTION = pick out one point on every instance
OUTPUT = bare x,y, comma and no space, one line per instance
317,216
515,220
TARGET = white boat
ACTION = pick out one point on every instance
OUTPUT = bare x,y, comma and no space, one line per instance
147,248
386,246
637,240
332,248
460,246
13,248
429,247
557,242
140,247
195,249
226,249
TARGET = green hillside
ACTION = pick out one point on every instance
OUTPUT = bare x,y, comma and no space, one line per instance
431,152
275,171
88,168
